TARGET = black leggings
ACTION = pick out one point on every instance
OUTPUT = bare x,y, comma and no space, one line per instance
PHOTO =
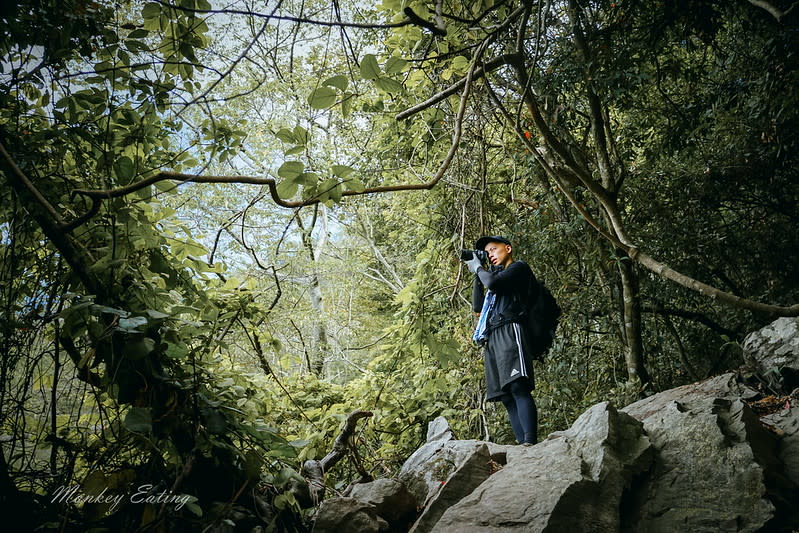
522,412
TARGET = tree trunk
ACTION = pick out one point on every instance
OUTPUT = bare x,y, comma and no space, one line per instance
631,320
319,343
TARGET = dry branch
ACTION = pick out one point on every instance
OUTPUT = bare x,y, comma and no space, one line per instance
313,490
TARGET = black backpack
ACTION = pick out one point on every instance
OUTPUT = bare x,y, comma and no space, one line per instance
541,319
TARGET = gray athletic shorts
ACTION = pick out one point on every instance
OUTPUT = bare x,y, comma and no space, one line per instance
506,360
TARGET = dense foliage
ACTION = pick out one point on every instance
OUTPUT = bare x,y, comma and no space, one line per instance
224,228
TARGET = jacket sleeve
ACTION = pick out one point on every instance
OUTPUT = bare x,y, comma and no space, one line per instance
477,295
509,280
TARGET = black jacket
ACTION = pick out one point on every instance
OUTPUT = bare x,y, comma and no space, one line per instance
511,285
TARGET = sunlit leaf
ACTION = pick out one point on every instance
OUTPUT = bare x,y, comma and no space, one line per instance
370,70
342,171
339,82
290,169
287,188
395,65
388,85
322,98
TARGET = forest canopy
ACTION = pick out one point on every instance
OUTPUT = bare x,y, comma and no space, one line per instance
225,227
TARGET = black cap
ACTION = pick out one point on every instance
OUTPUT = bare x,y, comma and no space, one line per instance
482,241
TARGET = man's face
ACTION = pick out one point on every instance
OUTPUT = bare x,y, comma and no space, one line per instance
498,253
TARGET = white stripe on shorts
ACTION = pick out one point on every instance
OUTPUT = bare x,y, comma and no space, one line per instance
517,334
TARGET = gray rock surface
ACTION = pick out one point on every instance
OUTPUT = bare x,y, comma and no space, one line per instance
786,425
694,458
572,481
473,471
430,465
773,352
348,515
391,499
712,457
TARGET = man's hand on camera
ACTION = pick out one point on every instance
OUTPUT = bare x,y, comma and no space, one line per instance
473,264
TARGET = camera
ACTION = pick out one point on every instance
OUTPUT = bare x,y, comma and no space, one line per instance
467,255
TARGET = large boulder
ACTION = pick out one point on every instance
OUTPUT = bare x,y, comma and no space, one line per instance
715,456
391,499
712,461
785,424
348,515
473,471
773,353
429,467
572,481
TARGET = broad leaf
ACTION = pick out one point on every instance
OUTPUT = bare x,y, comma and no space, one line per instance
395,65
342,171
388,85
322,98
287,188
290,169
340,82
370,70
139,420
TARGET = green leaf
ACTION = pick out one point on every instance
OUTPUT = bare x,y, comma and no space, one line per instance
388,85
290,169
132,324
109,310
166,186
460,63
294,150
138,33
139,420
308,179
346,105
124,168
287,188
300,135
322,98
151,11
340,82
286,136
354,185
139,349
335,190
395,65
342,171
370,70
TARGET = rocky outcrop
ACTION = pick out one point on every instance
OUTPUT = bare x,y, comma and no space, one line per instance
348,515
773,353
719,455
713,459
430,466
391,499
573,481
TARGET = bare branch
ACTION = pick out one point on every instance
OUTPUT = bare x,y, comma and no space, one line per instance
479,72
252,180
773,10
417,21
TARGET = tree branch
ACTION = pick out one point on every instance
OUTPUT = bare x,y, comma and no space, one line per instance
252,180
505,59
773,10
314,471
417,21
51,223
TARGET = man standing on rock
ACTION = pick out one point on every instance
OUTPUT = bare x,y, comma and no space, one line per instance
499,296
